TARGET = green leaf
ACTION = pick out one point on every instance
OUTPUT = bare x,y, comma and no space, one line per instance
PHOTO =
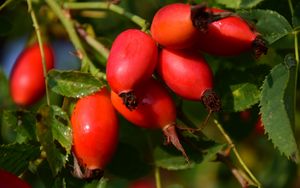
238,4
198,149
240,89
55,135
15,158
277,110
18,126
73,83
244,95
269,23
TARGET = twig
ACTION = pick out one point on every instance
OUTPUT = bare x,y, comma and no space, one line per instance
40,42
231,144
5,4
107,6
234,170
92,41
68,24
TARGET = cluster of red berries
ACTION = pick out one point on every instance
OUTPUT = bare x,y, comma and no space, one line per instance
179,34
182,32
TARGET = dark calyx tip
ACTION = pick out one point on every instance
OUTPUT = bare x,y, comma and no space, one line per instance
129,100
259,46
202,16
211,100
82,172
172,137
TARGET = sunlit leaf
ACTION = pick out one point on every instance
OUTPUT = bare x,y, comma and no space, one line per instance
73,83
240,89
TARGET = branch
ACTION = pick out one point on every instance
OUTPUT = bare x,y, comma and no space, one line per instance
107,6
92,41
236,172
68,24
231,144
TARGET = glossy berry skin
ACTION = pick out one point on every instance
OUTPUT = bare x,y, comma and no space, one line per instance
185,72
156,108
132,60
27,82
95,130
172,26
228,36
9,180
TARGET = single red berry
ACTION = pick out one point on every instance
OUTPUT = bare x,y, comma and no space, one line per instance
229,36
27,82
156,109
9,180
172,26
188,75
95,131
132,60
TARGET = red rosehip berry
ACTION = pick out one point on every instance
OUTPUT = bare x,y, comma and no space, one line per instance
132,60
27,82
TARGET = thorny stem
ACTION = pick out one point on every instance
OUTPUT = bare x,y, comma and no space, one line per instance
107,6
239,158
68,24
40,42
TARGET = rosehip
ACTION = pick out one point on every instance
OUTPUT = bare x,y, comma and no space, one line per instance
172,26
132,60
156,110
27,82
95,132
8,179
229,36
189,76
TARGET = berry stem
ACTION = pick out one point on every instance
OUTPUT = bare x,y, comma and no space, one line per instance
107,6
239,158
40,42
